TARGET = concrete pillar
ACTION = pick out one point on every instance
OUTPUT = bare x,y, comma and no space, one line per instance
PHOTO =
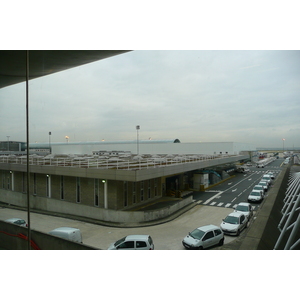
105,193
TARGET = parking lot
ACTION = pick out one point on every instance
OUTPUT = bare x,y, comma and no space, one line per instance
167,236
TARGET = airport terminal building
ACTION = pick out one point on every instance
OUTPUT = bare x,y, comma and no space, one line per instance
112,184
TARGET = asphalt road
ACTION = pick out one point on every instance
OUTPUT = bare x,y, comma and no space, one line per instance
213,206
229,193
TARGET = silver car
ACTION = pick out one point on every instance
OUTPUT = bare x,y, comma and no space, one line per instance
17,221
204,237
245,208
234,223
133,242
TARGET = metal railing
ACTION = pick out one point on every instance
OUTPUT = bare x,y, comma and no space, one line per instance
127,163
289,224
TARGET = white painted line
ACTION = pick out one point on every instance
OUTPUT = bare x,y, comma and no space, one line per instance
228,204
220,204
213,203
207,201
234,190
233,199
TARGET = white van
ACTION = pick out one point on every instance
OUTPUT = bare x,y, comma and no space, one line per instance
68,233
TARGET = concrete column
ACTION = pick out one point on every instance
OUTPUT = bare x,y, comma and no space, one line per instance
12,180
105,193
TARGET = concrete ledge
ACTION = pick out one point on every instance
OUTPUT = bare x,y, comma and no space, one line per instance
263,233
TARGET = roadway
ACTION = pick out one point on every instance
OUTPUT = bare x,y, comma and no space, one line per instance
229,193
214,205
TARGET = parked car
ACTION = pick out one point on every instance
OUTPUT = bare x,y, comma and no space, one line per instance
255,196
249,164
260,188
68,233
245,208
234,223
133,242
271,175
17,221
264,184
267,178
204,237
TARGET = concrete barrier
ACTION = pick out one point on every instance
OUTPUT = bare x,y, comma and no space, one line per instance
263,232
83,211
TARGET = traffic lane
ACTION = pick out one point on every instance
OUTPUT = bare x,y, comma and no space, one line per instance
167,236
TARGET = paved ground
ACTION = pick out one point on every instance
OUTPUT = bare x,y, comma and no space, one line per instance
167,236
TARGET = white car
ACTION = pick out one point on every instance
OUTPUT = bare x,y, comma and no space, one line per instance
260,188
255,196
234,223
17,221
204,237
245,208
264,184
267,178
271,175
133,242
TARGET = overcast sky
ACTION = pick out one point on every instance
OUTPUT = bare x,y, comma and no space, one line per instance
195,96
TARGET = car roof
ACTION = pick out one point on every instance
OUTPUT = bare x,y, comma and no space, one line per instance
243,204
64,229
235,214
13,219
208,227
137,237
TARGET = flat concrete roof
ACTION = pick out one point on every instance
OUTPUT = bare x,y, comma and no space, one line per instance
132,174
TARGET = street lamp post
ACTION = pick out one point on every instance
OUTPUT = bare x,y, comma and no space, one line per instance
137,138
283,144
50,141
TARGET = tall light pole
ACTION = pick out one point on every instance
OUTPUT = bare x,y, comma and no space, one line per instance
137,138
50,141
283,144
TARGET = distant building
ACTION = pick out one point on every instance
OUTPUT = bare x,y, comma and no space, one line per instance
110,184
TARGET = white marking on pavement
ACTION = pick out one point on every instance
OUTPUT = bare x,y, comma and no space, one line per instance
220,204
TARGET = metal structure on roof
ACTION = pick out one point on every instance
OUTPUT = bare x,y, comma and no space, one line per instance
42,145
45,62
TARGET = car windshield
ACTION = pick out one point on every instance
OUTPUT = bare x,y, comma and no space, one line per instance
242,208
117,243
255,194
197,234
259,187
231,220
